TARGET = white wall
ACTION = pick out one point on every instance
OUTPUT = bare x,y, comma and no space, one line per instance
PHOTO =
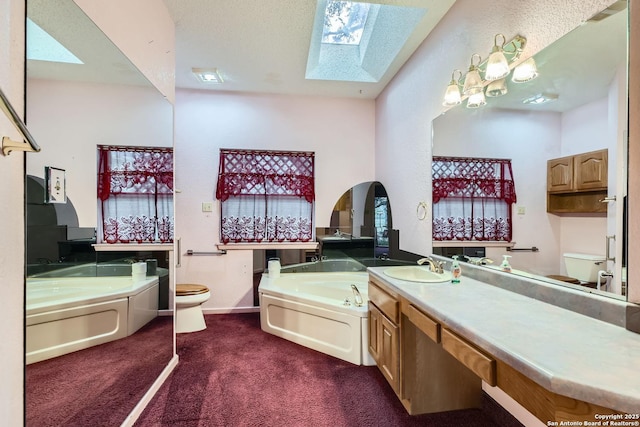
70,119
12,224
413,98
339,131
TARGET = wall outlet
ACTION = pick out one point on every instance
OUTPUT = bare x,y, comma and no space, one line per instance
207,207
521,210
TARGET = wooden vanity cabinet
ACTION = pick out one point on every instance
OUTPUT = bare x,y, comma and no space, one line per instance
405,343
384,334
577,184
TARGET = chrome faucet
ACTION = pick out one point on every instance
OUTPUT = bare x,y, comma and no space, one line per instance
434,266
480,261
358,301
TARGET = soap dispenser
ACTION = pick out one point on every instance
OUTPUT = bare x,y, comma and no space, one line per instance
505,266
456,270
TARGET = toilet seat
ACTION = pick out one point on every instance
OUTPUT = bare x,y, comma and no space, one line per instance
189,289
189,298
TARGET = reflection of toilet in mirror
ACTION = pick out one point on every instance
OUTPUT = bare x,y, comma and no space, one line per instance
582,269
189,316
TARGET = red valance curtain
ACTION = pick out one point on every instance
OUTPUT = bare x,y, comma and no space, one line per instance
267,173
266,195
471,178
472,198
135,194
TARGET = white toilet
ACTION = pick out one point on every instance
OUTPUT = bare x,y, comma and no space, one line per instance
189,316
584,267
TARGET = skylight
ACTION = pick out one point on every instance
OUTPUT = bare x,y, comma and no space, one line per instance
43,47
344,22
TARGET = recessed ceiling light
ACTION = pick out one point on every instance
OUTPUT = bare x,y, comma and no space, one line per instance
540,98
208,75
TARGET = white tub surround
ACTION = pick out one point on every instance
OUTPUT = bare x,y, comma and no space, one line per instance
309,309
67,314
546,350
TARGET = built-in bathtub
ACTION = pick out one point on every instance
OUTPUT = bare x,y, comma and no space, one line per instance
306,305
66,314
309,309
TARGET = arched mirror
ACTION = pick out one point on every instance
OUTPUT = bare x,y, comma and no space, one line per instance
360,225
89,356
567,124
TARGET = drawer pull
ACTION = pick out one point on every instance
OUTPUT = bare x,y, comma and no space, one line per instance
478,362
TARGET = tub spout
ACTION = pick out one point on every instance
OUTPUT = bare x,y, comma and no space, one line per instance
358,301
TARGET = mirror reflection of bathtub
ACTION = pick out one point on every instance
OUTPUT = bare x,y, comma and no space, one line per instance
66,314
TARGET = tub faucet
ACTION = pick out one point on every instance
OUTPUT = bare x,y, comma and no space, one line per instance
434,266
358,301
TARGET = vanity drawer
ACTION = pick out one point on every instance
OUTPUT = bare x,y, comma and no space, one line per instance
384,301
479,363
426,324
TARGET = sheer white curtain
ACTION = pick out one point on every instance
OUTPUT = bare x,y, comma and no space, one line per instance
135,194
266,196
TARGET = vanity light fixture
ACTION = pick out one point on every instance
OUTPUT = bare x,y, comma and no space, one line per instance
496,68
525,71
207,75
452,95
476,100
497,64
473,82
497,88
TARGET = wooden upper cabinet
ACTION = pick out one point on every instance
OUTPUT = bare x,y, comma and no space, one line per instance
582,172
590,170
577,184
560,174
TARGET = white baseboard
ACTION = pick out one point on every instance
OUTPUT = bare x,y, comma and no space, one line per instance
139,408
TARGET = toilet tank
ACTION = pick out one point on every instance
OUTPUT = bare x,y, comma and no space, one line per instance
584,267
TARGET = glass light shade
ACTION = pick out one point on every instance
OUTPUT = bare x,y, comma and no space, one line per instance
524,72
472,82
452,95
497,65
497,88
476,100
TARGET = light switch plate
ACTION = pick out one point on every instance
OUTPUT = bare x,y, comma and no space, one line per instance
521,210
207,207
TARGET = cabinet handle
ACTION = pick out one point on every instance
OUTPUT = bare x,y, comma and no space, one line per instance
608,248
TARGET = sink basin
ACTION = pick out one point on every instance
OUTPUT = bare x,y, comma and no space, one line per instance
416,273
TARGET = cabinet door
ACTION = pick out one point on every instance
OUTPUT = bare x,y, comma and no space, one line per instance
390,353
560,174
375,332
591,170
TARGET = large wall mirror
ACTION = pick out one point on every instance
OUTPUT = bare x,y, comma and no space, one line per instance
584,74
83,92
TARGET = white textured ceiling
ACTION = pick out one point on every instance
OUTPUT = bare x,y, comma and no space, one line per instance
262,46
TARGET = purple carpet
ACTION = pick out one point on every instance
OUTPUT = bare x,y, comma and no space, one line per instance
233,374
98,386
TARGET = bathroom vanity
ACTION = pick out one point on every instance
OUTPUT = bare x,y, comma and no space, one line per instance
436,343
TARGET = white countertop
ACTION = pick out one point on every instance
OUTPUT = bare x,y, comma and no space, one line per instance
565,352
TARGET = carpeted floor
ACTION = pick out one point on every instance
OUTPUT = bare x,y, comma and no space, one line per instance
98,386
233,374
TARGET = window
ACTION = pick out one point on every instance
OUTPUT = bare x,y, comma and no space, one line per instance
135,194
266,196
472,199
